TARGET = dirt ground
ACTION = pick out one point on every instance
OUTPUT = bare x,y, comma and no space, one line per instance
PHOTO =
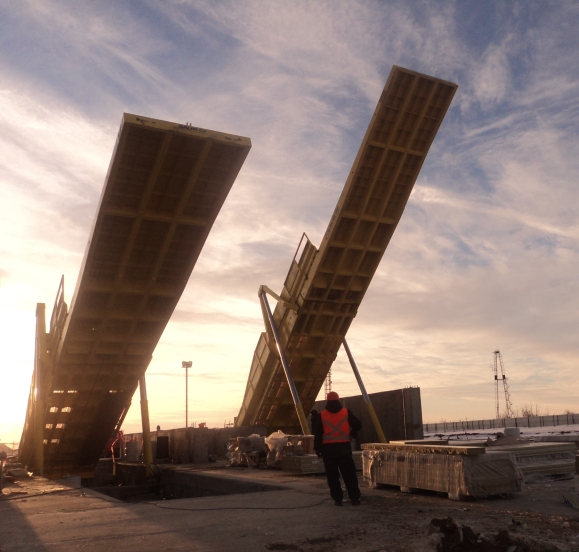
535,520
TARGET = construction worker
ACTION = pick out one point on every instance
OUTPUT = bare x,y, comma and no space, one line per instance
333,428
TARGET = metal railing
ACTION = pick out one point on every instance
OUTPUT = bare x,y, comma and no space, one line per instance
501,423
58,319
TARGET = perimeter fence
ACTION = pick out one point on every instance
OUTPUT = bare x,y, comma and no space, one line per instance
501,423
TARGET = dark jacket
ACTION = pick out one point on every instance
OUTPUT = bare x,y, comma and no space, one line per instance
333,449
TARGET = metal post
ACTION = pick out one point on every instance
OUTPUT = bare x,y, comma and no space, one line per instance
290,381
369,404
147,448
40,388
3,457
187,364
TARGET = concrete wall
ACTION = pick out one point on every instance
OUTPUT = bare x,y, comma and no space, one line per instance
187,484
399,413
195,444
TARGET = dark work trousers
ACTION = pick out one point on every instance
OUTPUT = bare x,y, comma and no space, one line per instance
338,459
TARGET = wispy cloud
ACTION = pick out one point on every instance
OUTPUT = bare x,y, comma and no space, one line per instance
486,254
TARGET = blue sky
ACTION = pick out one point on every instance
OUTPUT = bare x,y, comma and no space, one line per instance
486,254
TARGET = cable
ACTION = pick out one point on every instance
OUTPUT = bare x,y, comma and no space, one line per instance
156,471
239,508
162,506
31,495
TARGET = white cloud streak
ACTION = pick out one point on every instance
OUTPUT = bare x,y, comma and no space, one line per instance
486,254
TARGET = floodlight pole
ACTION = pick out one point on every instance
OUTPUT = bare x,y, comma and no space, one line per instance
186,364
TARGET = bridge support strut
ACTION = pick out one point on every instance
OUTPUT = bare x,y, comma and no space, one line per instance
367,400
284,363
147,448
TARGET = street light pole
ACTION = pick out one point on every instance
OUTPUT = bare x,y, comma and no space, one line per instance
187,364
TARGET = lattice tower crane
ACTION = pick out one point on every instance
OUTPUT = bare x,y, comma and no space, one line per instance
498,362
328,383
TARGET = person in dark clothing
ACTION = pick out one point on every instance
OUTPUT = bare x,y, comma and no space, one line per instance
333,428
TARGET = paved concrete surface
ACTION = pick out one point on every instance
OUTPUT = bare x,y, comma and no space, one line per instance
53,516
57,516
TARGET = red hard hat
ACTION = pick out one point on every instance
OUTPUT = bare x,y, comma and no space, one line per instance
332,396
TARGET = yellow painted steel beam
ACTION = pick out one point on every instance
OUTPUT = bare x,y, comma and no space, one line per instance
164,188
329,283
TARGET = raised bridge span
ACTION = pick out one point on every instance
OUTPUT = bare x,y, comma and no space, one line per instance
325,286
165,185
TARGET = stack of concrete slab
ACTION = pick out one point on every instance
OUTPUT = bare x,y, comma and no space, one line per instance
458,471
562,438
541,458
566,438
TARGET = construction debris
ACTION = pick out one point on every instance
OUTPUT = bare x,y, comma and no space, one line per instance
257,451
18,473
246,451
276,443
456,537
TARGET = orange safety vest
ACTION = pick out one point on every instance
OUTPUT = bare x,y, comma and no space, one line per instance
336,426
